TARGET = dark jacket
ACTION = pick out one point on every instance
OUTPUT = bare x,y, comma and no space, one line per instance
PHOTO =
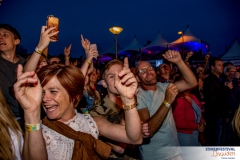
216,97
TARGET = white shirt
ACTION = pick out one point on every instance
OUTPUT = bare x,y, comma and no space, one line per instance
61,147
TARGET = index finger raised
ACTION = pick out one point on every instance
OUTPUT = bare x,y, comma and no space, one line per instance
126,64
82,37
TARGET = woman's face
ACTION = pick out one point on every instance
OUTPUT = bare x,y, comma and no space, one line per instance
56,102
93,76
42,63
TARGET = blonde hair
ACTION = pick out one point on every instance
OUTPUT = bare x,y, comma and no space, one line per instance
7,121
236,119
92,91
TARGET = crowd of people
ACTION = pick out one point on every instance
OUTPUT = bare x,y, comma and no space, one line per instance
50,109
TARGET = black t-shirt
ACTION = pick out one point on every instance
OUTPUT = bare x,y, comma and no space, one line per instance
8,75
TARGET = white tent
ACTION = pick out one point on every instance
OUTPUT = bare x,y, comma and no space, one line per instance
133,46
233,53
187,37
159,41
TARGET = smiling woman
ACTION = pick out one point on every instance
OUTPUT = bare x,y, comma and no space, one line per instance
66,133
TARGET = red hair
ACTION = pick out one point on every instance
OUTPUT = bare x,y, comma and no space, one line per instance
70,77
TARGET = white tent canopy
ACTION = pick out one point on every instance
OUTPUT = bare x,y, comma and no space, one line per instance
133,46
187,37
158,41
233,53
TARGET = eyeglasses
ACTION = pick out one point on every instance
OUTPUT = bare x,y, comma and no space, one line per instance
144,70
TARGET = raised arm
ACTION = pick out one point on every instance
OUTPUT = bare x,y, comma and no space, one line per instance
28,92
126,85
189,80
90,54
44,41
67,52
156,121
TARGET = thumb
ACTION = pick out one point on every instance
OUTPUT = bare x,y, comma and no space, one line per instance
19,70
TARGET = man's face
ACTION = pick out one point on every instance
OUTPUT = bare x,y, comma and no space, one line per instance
232,73
109,79
164,69
7,40
146,74
218,68
54,60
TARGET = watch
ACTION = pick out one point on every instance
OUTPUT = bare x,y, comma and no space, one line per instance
129,107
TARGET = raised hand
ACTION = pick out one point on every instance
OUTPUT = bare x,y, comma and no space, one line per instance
67,50
172,56
92,54
45,37
85,44
125,83
189,54
28,91
171,93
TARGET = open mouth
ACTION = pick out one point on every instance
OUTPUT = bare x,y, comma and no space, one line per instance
2,43
50,108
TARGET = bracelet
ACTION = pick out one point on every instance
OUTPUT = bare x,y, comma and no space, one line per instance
32,127
88,61
38,50
129,107
166,103
67,57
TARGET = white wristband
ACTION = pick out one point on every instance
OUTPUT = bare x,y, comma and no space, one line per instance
38,50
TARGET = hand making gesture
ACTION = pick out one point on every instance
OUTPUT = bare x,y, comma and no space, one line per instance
45,37
172,56
85,44
28,91
125,83
67,50
171,93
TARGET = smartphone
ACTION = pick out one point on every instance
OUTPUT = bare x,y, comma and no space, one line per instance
93,46
53,22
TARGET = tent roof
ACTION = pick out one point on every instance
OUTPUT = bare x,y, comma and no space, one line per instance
187,37
158,41
133,46
233,52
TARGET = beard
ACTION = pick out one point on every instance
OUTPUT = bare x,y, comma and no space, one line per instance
149,81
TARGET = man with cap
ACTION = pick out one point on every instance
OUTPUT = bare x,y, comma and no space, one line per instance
9,40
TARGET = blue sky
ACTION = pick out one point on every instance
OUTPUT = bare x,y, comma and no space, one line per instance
214,21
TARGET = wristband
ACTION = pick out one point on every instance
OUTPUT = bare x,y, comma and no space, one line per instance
38,50
32,127
88,61
166,103
129,107
67,57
